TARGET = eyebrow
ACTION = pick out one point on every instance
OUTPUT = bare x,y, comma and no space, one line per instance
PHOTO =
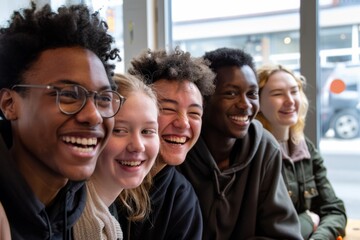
281,89
166,100
68,81
235,86
127,122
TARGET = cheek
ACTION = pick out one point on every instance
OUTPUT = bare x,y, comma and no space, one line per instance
109,125
255,105
267,110
114,147
163,122
152,148
104,164
195,126
297,103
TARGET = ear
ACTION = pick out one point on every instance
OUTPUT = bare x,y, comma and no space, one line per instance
7,104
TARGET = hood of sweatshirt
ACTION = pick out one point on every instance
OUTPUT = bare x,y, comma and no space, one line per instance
242,154
202,163
28,217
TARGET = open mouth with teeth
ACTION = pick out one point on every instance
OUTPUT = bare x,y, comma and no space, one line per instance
240,118
287,112
134,163
175,140
81,144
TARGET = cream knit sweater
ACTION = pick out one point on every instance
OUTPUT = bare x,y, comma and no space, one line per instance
96,221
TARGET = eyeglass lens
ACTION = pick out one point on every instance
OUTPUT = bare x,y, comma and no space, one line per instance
73,98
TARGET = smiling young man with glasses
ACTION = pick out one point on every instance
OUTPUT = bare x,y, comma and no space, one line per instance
57,101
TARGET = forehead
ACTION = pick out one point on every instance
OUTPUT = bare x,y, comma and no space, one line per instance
72,63
241,76
281,79
177,90
139,107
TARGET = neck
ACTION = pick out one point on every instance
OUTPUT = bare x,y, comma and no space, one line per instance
219,146
107,192
44,184
158,166
281,133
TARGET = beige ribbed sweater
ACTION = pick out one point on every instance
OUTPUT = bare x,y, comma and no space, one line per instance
96,221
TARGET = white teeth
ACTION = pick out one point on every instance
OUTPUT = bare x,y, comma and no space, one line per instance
78,140
130,163
176,139
84,150
240,118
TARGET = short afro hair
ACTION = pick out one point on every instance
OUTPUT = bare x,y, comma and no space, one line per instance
228,57
174,65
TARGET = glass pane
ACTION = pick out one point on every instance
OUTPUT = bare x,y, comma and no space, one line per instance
340,99
267,30
112,12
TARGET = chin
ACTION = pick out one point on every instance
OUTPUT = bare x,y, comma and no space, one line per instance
175,161
80,174
130,185
240,134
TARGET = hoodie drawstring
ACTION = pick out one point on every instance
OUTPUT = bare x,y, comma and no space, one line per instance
66,233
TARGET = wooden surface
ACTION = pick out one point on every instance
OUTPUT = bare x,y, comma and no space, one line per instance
353,229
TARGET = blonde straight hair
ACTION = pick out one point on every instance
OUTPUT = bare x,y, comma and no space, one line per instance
136,201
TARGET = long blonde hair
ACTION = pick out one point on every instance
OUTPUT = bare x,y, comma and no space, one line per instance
297,130
136,201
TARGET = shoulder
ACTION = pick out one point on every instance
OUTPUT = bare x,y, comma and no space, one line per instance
170,182
310,144
263,136
181,184
264,139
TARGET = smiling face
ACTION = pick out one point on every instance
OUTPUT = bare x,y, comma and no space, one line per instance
47,143
132,147
179,120
280,100
234,104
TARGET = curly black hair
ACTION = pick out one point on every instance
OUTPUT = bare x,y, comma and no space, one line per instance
228,57
31,32
174,65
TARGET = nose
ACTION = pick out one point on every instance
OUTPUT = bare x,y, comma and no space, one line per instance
289,100
89,114
182,121
243,103
136,143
